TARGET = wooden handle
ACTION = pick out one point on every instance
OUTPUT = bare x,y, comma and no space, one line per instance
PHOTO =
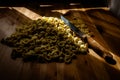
94,44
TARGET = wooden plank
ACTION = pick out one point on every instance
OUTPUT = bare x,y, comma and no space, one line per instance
60,71
43,71
110,26
105,21
85,67
93,69
9,69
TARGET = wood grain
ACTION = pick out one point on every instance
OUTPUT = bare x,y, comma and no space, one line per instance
85,67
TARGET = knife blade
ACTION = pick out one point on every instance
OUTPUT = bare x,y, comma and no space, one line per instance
106,54
72,27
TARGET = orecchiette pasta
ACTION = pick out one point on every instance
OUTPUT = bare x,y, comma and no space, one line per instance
47,39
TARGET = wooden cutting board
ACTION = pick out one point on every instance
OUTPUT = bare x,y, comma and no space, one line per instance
85,67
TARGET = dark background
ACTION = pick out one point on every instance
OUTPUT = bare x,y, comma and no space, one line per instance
93,3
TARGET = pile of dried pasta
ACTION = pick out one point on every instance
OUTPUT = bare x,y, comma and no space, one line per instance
46,40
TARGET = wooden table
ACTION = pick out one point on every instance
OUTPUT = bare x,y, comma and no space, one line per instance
85,67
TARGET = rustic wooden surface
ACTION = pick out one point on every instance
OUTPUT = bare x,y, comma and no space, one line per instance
86,67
